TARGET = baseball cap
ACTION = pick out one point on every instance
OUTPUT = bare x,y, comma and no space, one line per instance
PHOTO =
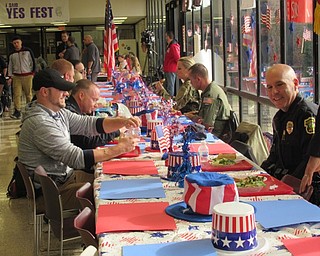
51,78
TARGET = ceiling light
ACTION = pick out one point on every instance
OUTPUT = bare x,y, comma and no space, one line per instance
120,18
59,24
5,26
118,21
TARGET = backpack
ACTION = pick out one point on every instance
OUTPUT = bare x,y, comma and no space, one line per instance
16,187
230,128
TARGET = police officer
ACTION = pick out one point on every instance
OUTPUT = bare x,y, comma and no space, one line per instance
293,124
214,111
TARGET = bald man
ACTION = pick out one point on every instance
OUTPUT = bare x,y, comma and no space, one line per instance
91,58
293,124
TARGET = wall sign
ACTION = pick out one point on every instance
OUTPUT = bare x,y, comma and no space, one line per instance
36,11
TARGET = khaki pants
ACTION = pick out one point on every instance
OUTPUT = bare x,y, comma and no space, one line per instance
20,83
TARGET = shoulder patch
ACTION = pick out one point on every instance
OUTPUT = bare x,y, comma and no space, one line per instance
207,100
310,124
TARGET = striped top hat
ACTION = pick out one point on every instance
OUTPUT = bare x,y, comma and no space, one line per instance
202,191
234,227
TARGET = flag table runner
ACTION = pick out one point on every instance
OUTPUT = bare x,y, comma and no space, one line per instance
144,167
134,217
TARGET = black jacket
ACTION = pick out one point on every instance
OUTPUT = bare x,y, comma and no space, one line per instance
292,133
88,142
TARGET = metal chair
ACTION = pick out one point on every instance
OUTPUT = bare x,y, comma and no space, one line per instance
37,214
295,184
85,224
61,225
85,196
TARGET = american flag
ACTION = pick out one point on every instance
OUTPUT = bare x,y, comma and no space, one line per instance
307,34
110,40
266,16
246,27
163,134
277,16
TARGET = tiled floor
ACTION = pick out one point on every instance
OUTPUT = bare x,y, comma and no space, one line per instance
16,231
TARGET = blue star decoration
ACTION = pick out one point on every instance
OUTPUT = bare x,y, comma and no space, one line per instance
185,168
234,242
193,227
158,234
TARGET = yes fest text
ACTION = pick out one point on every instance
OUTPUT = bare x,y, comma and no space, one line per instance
14,11
35,11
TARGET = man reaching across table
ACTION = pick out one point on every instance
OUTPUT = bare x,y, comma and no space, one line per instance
45,137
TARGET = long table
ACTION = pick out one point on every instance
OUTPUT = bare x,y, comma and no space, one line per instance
111,243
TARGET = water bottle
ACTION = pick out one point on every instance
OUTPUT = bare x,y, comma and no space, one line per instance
203,151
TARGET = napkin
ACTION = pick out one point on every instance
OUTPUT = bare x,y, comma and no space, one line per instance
134,216
272,214
202,247
133,188
143,167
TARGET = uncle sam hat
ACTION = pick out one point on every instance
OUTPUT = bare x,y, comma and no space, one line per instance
202,191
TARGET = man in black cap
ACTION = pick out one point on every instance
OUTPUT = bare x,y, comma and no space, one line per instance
45,137
21,68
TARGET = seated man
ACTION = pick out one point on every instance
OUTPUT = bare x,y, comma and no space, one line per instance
215,109
83,100
45,137
293,124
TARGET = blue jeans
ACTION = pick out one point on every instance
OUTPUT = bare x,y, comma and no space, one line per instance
170,82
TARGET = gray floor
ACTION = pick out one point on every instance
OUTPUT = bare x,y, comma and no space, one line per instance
16,231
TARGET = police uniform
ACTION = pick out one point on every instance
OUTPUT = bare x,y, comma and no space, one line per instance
292,132
187,99
215,109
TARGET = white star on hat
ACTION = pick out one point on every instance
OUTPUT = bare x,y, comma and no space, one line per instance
239,242
215,238
250,240
226,242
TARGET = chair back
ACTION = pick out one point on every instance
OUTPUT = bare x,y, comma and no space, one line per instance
244,149
52,200
85,196
254,139
295,184
26,180
85,224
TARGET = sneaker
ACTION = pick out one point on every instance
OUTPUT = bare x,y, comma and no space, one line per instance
16,114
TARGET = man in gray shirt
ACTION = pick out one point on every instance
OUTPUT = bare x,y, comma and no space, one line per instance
91,58
45,137
72,52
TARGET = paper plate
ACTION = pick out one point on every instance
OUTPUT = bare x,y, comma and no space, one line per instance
263,247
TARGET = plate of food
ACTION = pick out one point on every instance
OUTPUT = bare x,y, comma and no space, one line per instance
261,185
226,162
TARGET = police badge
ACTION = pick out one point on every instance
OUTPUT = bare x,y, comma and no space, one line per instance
310,123
289,127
